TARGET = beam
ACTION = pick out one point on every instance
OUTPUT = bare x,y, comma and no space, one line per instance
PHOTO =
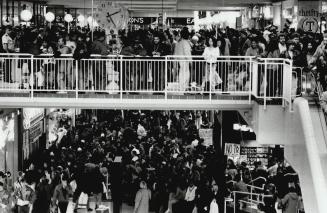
104,103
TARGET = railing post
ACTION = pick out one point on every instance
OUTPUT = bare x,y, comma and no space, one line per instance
166,77
76,79
255,80
210,81
282,84
251,193
265,86
250,85
32,77
290,83
121,77
234,195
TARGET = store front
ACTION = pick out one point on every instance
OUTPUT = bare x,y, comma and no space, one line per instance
33,132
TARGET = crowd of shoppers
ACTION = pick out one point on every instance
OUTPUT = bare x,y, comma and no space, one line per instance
166,167
305,49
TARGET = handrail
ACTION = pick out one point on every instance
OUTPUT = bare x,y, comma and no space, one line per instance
258,178
293,174
255,187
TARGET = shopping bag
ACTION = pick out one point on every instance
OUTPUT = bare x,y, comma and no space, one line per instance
195,210
70,207
73,185
214,207
82,201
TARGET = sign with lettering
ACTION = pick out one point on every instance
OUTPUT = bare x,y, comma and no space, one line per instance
142,20
309,16
180,21
232,149
206,134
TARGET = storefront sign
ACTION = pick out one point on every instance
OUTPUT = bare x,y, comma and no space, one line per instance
206,134
232,149
36,131
180,21
32,116
309,16
142,20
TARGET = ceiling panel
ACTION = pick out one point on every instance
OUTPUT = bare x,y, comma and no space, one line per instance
190,5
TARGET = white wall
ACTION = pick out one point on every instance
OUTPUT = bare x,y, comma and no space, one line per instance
276,125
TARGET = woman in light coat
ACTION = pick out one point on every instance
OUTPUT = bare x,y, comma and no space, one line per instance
142,199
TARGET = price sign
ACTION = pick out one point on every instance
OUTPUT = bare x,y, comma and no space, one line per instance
232,149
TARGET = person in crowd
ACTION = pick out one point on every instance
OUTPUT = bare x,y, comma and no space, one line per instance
183,48
217,199
62,193
43,196
142,199
210,54
290,202
190,197
7,41
203,196
231,169
254,50
5,199
241,187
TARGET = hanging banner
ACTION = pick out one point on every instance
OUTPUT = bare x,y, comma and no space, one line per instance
206,134
36,131
31,116
232,149
309,16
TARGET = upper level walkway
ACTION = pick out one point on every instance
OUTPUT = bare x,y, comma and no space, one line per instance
121,82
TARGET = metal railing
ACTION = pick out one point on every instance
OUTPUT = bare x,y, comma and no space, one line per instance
166,76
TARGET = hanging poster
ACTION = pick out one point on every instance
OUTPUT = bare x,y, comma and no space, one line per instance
309,16
206,134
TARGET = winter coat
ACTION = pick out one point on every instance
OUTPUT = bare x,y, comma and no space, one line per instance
290,203
142,201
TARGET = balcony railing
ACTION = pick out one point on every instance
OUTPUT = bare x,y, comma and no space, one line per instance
165,77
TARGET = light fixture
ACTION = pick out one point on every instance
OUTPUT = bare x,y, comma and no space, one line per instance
18,112
49,17
26,15
12,115
68,18
81,18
